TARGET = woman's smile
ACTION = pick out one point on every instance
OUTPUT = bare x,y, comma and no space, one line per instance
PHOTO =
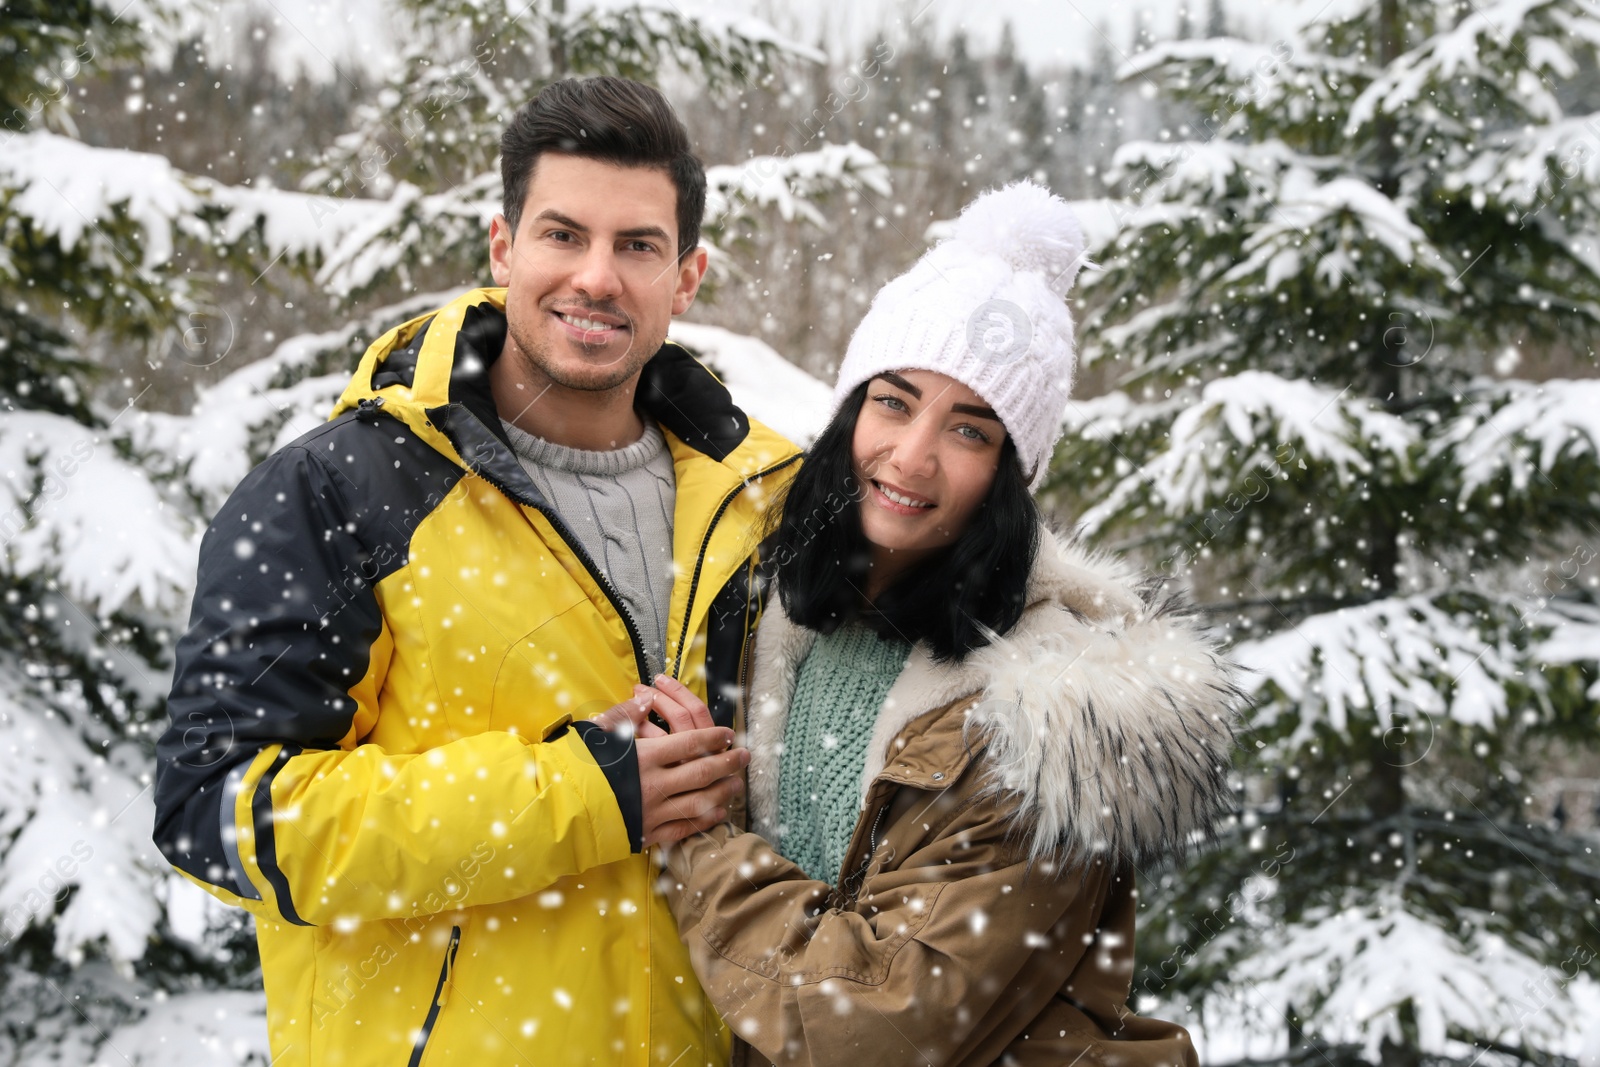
898,501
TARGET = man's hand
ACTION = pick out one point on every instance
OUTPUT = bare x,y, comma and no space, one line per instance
686,777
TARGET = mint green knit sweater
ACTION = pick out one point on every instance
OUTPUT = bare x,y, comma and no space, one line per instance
838,693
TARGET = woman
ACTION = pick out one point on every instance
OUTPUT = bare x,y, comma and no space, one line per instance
965,732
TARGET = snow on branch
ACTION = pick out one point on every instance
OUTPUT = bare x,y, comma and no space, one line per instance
1288,76
1287,196
1204,170
71,817
1520,430
210,1028
1349,973
295,224
1232,57
718,39
1478,48
1304,204
1239,422
1574,636
407,224
790,182
1406,654
77,509
1525,166
69,190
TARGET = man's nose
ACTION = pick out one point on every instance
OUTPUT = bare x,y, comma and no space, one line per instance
597,276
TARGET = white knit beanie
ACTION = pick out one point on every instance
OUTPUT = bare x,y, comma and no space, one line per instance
987,306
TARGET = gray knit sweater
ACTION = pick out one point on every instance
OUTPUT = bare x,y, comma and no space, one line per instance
618,504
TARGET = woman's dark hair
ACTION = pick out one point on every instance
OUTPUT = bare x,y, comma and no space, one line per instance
614,120
818,554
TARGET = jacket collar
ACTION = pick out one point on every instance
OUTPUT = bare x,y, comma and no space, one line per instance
1105,714
433,373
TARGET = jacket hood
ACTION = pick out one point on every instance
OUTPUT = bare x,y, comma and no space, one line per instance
1106,714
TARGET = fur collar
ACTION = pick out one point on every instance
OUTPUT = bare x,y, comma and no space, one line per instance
1106,714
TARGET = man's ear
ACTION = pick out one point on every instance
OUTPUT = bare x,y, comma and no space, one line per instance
691,272
500,250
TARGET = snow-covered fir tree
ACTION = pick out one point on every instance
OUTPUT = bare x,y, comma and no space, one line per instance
104,952
1313,315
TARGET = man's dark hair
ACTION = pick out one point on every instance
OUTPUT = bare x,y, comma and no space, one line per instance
615,120
952,600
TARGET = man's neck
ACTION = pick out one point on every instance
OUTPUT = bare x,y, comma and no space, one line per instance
591,420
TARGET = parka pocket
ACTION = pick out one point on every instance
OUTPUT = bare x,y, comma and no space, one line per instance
374,985
441,994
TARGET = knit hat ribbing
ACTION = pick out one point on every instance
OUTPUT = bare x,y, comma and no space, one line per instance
987,307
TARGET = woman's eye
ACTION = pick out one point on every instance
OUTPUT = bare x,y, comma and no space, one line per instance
893,403
972,433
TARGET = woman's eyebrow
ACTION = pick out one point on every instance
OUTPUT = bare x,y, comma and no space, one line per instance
900,383
974,409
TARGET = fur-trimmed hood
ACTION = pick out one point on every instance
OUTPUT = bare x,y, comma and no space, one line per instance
1106,712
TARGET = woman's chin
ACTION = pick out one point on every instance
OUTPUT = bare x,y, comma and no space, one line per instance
893,538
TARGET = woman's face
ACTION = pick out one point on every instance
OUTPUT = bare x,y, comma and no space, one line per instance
925,452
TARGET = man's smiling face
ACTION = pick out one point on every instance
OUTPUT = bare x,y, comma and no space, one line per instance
592,277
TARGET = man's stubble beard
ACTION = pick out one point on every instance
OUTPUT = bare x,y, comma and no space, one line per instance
536,356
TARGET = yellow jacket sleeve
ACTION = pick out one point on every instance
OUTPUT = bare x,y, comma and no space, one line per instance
320,836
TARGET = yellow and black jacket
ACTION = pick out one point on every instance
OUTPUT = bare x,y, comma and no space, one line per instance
379,743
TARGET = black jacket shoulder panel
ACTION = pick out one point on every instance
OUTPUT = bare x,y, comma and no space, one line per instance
388,479
285,615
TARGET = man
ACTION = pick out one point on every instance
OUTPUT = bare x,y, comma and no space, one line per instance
525,504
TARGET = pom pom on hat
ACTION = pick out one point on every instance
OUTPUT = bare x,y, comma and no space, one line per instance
987,307
1028,227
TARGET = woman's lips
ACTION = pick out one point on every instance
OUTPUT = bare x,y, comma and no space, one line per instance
883,500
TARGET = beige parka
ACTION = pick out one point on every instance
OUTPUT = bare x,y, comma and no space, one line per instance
985,910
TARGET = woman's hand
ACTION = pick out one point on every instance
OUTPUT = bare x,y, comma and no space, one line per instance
686,777
675,703
669,698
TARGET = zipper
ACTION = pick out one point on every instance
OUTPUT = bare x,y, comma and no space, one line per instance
705,545
609,590
600,579
859,878
753,605
872,838
441,994
367,408
748,652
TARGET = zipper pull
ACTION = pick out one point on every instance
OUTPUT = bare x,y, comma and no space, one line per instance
367,408
449,966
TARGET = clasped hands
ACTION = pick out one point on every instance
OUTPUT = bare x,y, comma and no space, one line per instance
687,776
